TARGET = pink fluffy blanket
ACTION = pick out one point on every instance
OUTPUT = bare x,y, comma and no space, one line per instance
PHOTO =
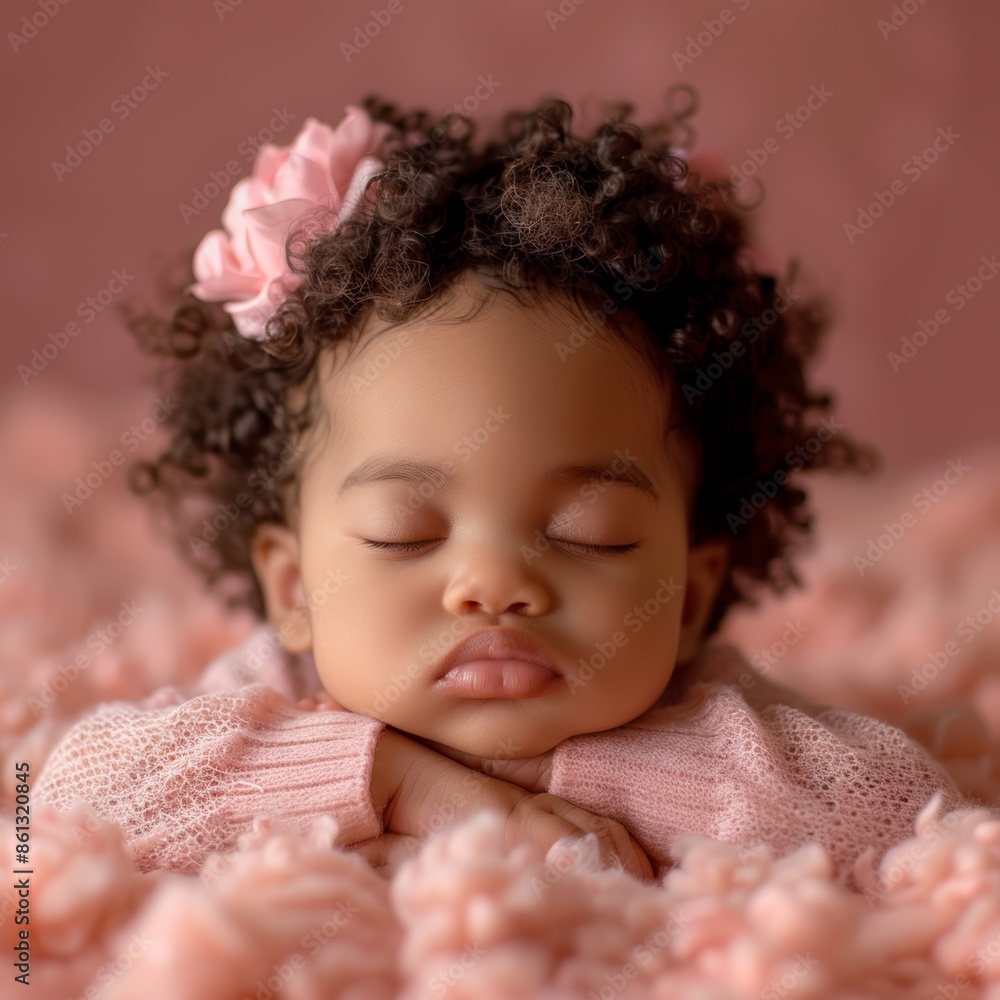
913,637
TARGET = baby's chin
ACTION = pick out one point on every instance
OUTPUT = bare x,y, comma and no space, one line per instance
494,744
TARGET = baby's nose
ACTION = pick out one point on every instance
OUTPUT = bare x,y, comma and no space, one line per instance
497,579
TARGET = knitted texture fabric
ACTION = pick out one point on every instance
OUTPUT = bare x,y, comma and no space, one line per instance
725,754
188,780
716,767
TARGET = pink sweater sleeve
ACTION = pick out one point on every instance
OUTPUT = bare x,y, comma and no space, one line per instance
187,780
715,766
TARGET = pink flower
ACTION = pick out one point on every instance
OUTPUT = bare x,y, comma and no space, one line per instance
245,265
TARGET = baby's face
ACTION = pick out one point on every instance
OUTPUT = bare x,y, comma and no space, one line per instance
452,487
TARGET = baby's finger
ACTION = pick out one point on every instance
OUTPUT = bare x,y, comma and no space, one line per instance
630,852
532,822
386,853
613,839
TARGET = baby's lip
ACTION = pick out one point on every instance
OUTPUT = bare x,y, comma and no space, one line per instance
497,644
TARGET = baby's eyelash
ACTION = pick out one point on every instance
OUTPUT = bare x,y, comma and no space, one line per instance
601,550
593,550
396,546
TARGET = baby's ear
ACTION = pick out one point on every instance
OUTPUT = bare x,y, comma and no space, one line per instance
707,566
274,551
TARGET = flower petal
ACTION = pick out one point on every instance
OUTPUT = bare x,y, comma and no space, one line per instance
300,177
267,229
244,264
356,135
220,275
251,316
265,166
248,193
368,167
316,141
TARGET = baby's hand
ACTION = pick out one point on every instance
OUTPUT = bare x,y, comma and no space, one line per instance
532,773
420,791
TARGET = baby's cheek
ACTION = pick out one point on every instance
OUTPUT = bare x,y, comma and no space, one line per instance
632,652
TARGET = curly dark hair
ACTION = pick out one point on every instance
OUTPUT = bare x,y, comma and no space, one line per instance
618,221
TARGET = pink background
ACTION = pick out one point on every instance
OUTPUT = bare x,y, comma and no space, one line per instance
229,65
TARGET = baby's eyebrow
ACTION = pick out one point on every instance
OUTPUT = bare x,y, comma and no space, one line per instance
382,468
615,471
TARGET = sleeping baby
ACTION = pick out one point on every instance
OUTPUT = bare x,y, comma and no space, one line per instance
474,424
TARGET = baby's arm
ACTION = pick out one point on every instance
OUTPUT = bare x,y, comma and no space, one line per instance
717,767
187,780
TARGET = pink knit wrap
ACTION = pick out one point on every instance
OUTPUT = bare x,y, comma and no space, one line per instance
188,777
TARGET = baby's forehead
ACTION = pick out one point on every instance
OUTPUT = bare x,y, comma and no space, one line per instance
443,377
412,374
568,324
